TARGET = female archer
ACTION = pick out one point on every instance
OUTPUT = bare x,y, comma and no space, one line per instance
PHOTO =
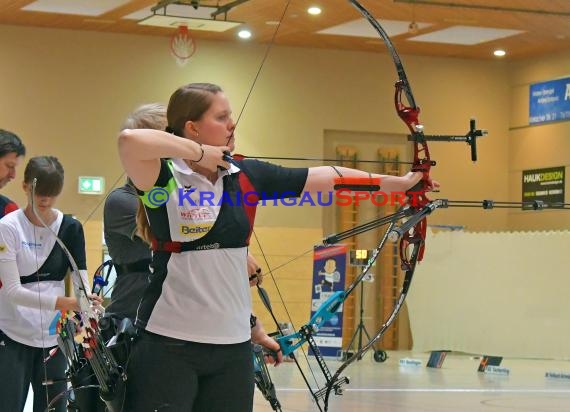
195,315
32,292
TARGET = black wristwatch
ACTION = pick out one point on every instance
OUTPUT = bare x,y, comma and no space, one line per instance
252,320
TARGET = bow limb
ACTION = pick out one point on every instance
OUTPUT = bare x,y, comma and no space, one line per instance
289,342
281,332
263,378
305,334
416,245
410,115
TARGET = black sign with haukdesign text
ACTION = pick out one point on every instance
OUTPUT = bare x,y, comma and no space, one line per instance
546,185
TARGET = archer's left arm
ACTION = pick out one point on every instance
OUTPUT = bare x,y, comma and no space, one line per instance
322,178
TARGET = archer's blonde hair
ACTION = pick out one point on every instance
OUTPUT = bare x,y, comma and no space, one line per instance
147,116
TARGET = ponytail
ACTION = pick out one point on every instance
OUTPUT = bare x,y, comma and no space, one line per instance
143,227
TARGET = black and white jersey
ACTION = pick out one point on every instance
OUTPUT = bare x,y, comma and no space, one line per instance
203,295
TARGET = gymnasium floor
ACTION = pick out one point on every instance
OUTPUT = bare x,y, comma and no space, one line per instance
456,387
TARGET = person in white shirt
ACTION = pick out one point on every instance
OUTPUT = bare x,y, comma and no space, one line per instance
32,291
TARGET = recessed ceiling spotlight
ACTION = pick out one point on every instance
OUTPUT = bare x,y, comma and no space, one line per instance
314,10
499,53
244,34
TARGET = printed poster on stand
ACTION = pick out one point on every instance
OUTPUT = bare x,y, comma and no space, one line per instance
329,274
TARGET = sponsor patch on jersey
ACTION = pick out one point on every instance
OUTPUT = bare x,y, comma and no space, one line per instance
208,247
197,214
195,230
31,245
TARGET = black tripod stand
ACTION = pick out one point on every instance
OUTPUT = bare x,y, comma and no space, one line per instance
379,355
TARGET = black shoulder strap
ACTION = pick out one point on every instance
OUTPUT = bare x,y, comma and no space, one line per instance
55,257
247,188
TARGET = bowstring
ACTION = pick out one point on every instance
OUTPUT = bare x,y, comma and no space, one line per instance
44,357
265,56
264,256
289,317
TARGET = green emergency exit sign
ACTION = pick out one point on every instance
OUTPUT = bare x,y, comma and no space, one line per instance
91,185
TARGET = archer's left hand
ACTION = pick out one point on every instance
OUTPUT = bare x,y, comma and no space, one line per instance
432,185
96,303
255,278
254,271
413,178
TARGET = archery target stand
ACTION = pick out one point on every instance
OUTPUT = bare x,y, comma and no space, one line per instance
379,354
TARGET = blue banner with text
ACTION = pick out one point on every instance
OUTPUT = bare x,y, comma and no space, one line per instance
549,101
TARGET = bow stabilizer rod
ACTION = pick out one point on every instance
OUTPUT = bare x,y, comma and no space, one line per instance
488,204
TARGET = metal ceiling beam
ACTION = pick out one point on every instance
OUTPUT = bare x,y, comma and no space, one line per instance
484,7
226,8
162,4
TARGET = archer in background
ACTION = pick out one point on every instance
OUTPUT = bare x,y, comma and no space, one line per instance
12,150
32,293
131,258
130,254
195,316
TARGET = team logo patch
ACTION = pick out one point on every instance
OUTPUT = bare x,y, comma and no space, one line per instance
197,214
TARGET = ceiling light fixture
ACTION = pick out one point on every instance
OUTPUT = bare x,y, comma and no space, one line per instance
244,34
413,28
314,10
499,53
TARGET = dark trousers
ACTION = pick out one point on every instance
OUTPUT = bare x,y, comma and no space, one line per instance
22,365
172,375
